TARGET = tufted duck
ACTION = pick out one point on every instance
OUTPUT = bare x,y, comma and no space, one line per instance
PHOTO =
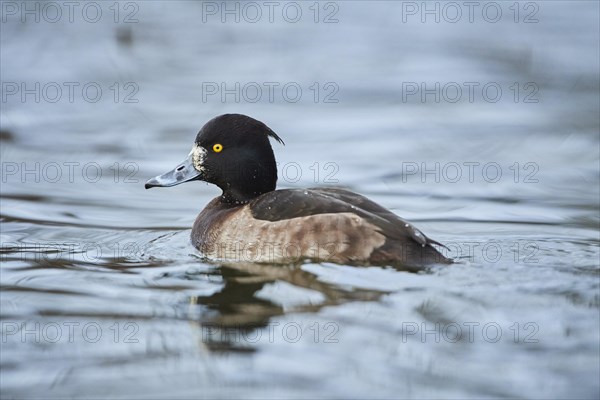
251,221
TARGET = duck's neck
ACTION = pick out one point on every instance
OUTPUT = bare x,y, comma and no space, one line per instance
248,180
230,199
239,196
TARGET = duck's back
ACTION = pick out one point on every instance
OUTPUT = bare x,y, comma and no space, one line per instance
292,225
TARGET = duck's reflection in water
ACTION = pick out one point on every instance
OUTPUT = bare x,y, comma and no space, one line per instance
236,313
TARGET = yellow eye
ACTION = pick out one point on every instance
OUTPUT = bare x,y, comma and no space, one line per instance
217,148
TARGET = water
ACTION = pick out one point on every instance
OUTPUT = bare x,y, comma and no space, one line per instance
103,296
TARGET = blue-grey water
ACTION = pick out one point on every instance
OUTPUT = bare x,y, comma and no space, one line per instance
478,122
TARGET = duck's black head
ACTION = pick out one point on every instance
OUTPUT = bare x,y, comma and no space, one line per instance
233,152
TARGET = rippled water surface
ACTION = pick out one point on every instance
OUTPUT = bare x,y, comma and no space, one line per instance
103,296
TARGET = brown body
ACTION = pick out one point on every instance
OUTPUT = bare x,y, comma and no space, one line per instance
344,234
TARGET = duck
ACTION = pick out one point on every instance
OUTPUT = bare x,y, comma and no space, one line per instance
254,222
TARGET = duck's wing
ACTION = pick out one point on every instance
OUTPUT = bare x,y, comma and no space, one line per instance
369,205
295,203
